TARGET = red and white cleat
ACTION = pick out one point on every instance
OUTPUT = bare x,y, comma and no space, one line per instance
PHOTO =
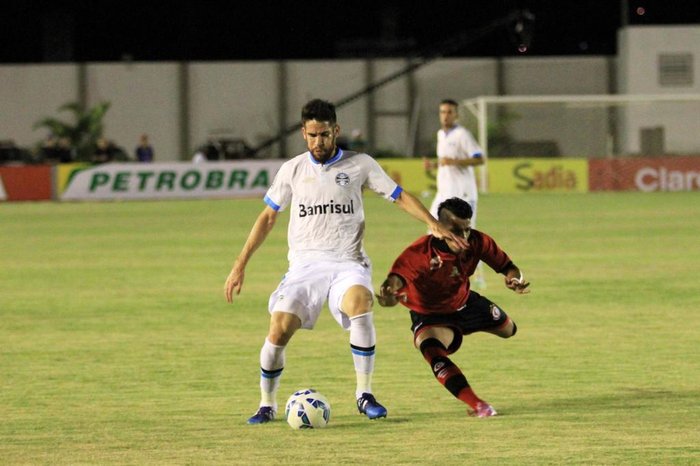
483,409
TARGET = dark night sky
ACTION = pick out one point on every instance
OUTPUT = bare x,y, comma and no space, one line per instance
101,30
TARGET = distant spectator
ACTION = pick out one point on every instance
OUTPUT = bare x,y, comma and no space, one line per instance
212,151
104,152
144,151
11,153
209,151
199,157
65,150
54,150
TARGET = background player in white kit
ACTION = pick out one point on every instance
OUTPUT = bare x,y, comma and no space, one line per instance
457,155
327,261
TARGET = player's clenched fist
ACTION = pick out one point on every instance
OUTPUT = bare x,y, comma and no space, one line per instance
517,284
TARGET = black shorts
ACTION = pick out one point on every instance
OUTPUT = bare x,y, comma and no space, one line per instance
478,314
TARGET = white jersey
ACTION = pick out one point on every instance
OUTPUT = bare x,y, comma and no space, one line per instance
452,180
327,218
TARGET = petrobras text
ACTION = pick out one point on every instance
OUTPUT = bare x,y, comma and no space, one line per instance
171,180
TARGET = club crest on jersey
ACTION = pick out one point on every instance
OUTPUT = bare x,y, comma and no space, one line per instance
495,312
435,262
342,179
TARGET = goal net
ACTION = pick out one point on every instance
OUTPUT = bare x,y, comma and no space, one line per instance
584,126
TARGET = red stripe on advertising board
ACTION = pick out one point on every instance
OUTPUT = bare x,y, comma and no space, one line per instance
672,173
27,182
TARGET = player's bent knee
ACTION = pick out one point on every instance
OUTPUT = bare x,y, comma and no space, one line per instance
357,301
507,330
283,325
430,342
445,335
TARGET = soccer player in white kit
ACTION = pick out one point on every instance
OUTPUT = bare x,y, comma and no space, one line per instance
457,155
327,262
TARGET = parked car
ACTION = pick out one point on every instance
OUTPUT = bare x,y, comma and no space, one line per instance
225,149
10,153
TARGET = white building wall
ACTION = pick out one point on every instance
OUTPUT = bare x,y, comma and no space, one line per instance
241,99
233,99
144,99
640,49
392,105
576,133
29,93
556,75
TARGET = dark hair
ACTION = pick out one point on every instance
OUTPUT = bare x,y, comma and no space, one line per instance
457,206
449,102
319,110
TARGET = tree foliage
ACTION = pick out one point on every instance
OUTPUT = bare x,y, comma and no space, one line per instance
83,132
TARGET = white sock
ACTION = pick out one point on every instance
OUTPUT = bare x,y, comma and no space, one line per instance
362,341
271,367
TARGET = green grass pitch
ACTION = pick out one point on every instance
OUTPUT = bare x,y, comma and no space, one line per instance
117,346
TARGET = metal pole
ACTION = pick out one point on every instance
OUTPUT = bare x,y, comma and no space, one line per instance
282,105
371,109
624,13
82,86
184,109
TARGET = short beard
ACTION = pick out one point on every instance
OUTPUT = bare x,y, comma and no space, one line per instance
327,155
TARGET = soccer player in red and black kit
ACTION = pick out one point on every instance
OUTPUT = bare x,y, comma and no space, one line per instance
431,278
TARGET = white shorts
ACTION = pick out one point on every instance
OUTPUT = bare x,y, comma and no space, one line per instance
306,287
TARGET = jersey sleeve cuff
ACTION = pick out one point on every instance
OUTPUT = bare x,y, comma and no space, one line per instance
271,203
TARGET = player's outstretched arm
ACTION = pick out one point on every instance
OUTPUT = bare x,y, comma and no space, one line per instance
515,280
388,292
414,207
262,226
469,162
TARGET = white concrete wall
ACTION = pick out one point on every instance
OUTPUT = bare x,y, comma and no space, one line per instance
556,75
639,50
577,132
144,99
233,100
29,93
392,104
241,98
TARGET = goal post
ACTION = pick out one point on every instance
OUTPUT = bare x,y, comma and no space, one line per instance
583,126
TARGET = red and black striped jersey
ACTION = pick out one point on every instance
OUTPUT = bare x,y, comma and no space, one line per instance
436,279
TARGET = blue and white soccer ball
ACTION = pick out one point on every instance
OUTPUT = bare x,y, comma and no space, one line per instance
307,409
